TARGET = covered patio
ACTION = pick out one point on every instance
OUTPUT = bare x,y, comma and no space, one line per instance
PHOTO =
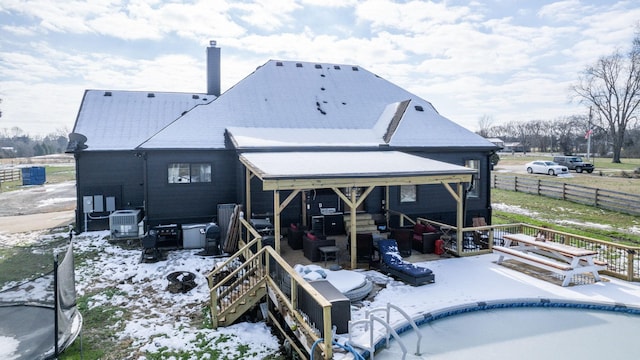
355,170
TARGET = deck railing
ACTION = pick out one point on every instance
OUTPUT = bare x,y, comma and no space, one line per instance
253,263
623,261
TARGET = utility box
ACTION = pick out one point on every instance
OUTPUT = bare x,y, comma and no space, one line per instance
35,175
193,236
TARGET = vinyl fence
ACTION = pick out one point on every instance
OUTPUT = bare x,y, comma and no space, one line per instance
604,199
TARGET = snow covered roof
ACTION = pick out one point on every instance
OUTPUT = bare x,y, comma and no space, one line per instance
121,120
341,99
254,138
280,104
347,165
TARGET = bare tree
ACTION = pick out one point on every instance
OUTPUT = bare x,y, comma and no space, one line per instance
612,88
484,125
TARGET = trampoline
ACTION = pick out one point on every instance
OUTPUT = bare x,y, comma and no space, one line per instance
40,329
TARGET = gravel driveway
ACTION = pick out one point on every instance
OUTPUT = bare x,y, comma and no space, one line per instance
37,207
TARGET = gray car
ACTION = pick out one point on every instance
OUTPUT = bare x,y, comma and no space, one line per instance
545,167
574,163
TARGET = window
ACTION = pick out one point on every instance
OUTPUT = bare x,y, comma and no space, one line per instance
475,190
408,193
186,173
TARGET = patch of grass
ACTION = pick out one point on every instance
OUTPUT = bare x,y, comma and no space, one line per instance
58,174
100,328
566,216
54,175
20,263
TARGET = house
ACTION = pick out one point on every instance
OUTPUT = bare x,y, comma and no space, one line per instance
320,133
497,141
511,147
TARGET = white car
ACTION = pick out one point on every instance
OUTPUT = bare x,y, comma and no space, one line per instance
546,167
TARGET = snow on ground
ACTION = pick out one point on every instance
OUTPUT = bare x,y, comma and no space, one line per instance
153,319
160,319
156,320
515,209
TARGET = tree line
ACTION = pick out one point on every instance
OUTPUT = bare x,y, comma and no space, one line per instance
16,143
610,90
566,135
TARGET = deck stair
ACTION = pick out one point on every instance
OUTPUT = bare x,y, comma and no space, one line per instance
364,223
236,287
253,275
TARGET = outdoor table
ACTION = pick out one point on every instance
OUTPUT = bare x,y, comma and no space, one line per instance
564,259
330,251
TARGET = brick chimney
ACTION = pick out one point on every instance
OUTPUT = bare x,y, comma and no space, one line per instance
213,69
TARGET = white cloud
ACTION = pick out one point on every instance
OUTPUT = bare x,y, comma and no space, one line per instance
510,59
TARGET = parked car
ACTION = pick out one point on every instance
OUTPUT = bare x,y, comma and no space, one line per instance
574,163
546,167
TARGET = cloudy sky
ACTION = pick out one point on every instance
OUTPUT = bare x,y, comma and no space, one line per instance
511,60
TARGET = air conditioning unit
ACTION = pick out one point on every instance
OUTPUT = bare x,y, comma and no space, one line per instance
124,223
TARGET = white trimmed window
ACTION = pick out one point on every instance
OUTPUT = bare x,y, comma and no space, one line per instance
408,193
187,173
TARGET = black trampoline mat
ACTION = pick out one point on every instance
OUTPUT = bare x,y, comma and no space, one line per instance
26,331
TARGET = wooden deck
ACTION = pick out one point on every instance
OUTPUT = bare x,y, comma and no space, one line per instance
294,257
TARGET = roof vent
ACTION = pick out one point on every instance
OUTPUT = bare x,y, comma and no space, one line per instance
419,108
107,93
318,66
322,88
278,63
322,75
151,95
354,68
298,64
194,96
337,67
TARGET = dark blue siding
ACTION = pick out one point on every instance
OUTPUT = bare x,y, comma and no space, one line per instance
195,202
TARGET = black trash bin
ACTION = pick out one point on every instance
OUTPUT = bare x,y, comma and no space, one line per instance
212,240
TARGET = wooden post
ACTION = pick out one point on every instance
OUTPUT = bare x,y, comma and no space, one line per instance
276,219
460,217
247,184
352,227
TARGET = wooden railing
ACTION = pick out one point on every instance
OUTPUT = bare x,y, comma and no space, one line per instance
605,199
401,218
263,264
623,261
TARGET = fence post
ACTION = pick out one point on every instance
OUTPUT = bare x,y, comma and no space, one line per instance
595,198
630,268
515,183
539,185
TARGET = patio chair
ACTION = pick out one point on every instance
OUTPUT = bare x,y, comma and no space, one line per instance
392,263
366,250
480,237
404,239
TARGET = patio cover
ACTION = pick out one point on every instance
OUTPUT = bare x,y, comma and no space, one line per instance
299,171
